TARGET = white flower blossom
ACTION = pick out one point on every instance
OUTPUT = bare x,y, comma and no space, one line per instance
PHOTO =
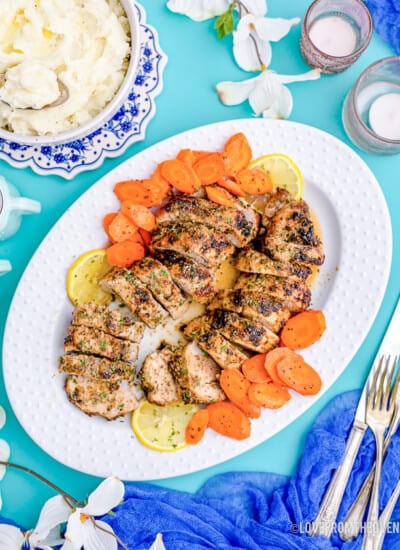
83,530
199,10
12,538
265,93
158,543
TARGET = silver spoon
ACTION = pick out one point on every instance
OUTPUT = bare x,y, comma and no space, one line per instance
62,98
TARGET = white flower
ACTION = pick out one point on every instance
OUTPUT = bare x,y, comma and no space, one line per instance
199,10
266,92
254,32
158,543
82,530
12,538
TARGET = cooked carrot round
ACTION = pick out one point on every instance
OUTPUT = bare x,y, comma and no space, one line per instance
180,175
121,228
235,386
197,426
254,181
209,168
236,154
299,375
125,253
268,395
271,361
254,369
304,329
140,215
228,420
217,194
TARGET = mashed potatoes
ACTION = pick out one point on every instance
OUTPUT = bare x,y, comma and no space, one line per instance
84,43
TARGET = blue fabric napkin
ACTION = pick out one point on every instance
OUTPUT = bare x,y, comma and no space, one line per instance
252,511
386,17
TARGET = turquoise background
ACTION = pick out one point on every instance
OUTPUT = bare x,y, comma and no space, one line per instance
197,61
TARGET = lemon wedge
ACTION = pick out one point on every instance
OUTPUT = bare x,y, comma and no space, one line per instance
83,278
283,172
162,428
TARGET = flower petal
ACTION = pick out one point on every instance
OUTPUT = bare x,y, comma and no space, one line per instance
199,10
244,27
4,456
282,106
256,7
108,494
233,93
158,543
274,29
11,537
265,93
2,417
314,74
74,532
54,512
97,539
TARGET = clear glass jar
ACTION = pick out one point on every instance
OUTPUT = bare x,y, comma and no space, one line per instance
379,81
335,33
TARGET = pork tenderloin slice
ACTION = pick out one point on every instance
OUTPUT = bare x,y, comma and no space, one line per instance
293,224
224,353
253,305
198,242
99,398
248,333
239,225
157,381
158,280
111,321
96,342
194,279
294,294
135,295
196,374
275,202
253,261
283,251
99,368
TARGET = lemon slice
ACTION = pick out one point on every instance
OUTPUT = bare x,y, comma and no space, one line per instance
83,278
283,172
162,428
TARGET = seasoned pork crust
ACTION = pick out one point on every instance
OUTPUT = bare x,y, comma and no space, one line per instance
108,320
224,353
239,225
252,305
191,277
99,398
157,381
158,280
253,261
96,342
196,374
99,368
135,295
197,242
275,202
292,293
283,251
293,224
247,333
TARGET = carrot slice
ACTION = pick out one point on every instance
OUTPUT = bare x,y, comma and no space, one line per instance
254,181
304,329
108,218
299,375
217,194
197,426
139,191
180,175
125,253
159,185
146,237
272,359
190,156
232,186
139,214
236,386
209,168
121,228
268,394
236,154
254,370
227,419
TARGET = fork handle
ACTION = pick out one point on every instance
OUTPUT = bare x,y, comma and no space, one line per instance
324,522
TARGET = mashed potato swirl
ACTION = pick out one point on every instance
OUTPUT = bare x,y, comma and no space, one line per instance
85,43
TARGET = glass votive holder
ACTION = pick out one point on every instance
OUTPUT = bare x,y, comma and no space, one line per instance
371,110
335,33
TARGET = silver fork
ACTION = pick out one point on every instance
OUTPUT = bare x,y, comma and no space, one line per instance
379,412
353,521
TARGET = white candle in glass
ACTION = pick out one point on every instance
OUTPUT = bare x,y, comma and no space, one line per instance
384,116
333,35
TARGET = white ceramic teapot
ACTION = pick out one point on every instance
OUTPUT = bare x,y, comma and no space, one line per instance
12,207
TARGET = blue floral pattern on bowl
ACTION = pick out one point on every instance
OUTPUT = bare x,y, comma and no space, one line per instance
126,127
